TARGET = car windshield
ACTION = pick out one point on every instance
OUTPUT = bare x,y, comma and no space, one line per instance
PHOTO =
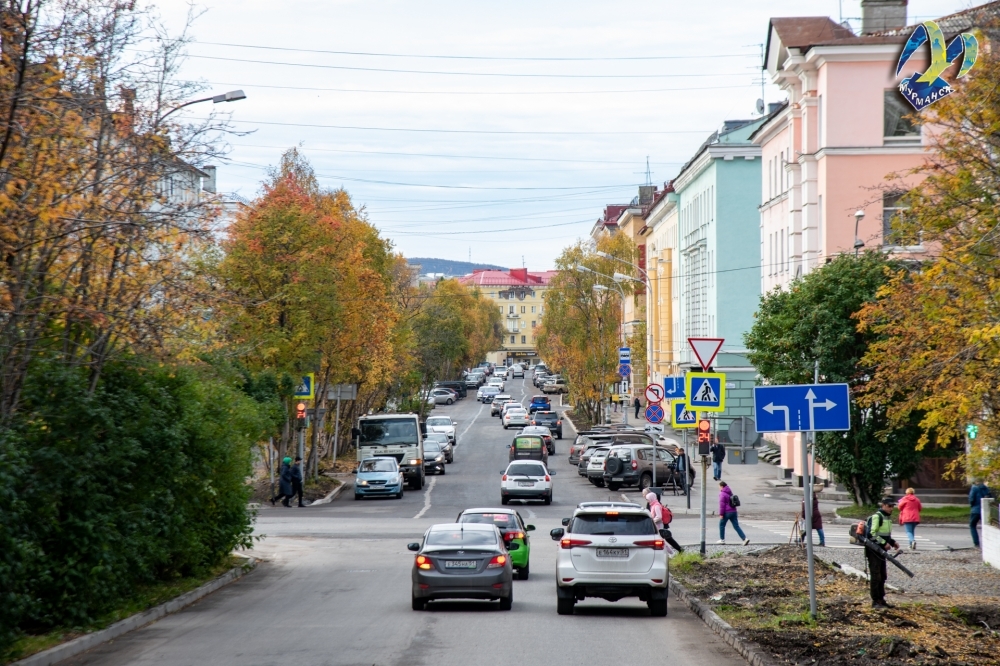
380,465
386,432
438,421
436,437
460,537
430,446
612,523
501,520
526,469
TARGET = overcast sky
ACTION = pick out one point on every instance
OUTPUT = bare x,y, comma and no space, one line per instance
492,130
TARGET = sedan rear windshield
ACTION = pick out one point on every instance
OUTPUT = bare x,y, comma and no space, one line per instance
461,537
526,469
602,523
527,443
501,520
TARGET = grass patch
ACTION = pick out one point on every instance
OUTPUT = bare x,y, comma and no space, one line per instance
937,514
685,562
145,597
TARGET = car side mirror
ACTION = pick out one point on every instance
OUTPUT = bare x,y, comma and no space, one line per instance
565,522
423,427
454,422
529,528
355,433
413,546
513,546
508,446
557,533
552,472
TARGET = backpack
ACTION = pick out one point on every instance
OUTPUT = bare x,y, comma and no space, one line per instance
734,501
668,516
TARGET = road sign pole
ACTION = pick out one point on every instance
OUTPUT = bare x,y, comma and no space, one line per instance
807,492
687,463
336,429
704,492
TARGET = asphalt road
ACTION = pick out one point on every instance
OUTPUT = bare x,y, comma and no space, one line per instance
334,586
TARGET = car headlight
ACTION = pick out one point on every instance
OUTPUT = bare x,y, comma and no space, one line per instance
439,459
361,482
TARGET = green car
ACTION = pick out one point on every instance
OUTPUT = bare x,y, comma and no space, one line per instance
513,529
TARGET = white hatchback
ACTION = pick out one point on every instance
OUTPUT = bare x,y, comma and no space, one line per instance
526,480
515,417
611,552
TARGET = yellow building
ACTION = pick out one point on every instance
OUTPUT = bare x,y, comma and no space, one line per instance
518,293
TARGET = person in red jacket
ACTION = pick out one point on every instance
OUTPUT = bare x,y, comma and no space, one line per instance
909,515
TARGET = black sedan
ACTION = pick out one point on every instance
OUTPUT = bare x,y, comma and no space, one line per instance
462,561
434,457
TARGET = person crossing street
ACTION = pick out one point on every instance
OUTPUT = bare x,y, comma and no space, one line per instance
284,483
662,517
879,526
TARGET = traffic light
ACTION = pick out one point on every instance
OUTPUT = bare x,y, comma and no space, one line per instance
704,437
972,430
300,414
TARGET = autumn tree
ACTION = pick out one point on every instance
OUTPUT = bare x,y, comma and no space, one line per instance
938,353
814,320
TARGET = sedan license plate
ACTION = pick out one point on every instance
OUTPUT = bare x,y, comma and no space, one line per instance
612,552
460,564
527,484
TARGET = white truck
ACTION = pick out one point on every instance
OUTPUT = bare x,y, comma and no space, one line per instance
394,436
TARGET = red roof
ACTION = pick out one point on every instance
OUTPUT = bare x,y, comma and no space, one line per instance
510,278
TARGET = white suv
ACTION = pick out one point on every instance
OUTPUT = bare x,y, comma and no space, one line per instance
610,551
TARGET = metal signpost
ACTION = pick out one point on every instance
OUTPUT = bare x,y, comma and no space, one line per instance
340,392
625,370
805,408
704,443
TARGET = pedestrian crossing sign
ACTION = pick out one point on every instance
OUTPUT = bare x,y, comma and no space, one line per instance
706,391
680,416
306,390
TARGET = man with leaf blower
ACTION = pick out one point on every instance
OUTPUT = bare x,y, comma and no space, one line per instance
877,532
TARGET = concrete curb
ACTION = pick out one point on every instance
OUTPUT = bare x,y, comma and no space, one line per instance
330,496
74,647
747,649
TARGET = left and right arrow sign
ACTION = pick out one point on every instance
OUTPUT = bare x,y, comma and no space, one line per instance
802,408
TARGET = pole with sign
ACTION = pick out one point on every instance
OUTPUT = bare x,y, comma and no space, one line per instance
704,446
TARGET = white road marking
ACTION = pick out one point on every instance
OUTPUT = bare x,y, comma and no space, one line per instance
427,498
481,408
531,514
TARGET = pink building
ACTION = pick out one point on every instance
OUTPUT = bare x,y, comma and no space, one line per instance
831,149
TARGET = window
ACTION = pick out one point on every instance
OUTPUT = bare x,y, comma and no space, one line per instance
819,122
892,208
511,309
533,309
895,116
523,309
532,323
601,523
512,339
501,309
524,339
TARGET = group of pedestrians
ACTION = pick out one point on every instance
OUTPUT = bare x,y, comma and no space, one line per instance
289,482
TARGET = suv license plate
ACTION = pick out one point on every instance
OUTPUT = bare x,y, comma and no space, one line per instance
527,484
459,564
612,552
618,478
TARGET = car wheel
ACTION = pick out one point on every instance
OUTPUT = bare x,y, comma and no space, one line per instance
443,468
565,606
522,573
399,495
657,607
506,603
645,481
357,497
548,500
450,401
418,604
598,482
505,426
614,486
504,501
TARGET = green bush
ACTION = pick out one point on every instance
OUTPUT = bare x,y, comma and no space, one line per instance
139,481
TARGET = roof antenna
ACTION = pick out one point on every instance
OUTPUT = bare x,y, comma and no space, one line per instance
522,261
649,174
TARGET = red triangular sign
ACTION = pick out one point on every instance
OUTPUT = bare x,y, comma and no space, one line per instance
706,349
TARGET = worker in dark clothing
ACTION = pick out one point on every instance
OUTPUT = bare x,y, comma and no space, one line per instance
284,482
979,491
718,451
880,531
297,479
638,406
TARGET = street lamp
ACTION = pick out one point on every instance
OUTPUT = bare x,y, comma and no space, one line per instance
858,243
231,96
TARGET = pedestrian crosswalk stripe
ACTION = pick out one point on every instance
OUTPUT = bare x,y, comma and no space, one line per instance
705,393
836,535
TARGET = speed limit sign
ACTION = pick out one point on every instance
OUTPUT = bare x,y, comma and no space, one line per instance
654,393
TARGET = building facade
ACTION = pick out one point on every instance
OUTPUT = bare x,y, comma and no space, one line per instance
519,294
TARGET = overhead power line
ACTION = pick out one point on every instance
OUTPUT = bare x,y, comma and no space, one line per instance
462,131
481,92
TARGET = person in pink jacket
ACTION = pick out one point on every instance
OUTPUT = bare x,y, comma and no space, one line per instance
909,515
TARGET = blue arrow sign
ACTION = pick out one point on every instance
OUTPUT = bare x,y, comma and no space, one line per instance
673,387
625,369
654,413
802,408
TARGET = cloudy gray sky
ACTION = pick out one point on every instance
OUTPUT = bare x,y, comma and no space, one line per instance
491,130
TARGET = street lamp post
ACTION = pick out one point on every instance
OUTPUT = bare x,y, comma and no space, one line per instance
231,96
858,243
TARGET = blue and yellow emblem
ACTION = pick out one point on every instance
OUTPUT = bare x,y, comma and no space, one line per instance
920,90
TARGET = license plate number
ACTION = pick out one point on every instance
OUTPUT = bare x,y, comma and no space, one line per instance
612,552
618,478
459,564
526,483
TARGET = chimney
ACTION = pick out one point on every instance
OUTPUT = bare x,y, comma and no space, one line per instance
882,15
646,194
208,184
519,274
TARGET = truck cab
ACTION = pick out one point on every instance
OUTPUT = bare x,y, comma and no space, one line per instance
395,436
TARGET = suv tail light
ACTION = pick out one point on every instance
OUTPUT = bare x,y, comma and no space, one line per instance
572,543
497,562
558,422
655,544
635,464
548,478
503,478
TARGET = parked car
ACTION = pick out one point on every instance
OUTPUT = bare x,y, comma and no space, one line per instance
610,553
443,424
539,379
434,458
378,477
594,465
526,480
442,396
513,529
546,434
632,465
444,442
459,387
548,419
474,380
515,416
555,386
584,465
516,371
467,561
500,372
539,403
498,401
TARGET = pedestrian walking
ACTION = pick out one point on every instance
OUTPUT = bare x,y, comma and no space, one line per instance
909,515
817,520
638,406
297,479
976,494
718,455
284,482
681,461
727,512
662,517
880,531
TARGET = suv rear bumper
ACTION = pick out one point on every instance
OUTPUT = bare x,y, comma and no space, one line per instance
629,478
611,591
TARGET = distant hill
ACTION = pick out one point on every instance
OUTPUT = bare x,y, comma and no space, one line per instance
448,267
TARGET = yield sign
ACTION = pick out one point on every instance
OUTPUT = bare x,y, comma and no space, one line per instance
706,349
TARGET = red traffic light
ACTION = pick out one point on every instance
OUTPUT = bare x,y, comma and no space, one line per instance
704,431
300,410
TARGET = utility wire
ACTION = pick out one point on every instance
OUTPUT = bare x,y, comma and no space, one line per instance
460,131
479,92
